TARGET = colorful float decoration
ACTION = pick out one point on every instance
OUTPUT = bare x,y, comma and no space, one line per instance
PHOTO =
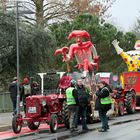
131,58
84,52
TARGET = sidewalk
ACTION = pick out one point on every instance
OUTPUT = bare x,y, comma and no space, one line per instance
5,121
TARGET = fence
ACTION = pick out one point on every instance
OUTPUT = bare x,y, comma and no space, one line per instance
5,102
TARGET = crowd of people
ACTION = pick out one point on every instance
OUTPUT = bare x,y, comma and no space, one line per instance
78,99
26,88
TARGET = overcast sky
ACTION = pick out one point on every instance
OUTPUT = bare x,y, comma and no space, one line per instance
125,13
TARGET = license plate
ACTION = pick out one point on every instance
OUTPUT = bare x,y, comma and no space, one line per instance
32,110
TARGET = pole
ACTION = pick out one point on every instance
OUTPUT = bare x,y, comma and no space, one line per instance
17,46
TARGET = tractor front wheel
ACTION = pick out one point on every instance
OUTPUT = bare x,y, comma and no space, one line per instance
130,102
121,109
16,124
53,123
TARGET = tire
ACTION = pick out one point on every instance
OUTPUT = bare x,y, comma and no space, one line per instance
33,125
130,102
53,123
16,124
65,115
120,109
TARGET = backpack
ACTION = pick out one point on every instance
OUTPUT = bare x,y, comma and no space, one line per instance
27,89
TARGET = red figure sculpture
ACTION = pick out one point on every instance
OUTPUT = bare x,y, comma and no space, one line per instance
84,52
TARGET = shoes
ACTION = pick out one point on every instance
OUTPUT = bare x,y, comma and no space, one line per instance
76,129
102,130
85,130
73,130
107,127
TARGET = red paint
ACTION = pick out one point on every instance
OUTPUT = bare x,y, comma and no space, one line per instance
24,130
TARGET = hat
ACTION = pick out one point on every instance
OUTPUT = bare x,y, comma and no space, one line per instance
80,33
25,80
15,78
73,83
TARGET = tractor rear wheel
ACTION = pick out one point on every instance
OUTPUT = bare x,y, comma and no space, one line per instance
121,109
130,102
16,124
33,125
65,115
53,123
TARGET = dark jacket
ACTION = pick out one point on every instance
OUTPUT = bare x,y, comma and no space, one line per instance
75,95
83,96
102,93
13,90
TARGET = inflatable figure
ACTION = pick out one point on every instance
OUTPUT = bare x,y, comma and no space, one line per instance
131,58
84,52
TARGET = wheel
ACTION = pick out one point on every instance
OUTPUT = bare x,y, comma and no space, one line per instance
16,124
65,115
33,125
130,102
53,123
121,109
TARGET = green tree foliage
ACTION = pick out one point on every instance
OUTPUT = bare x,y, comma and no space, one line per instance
36,47
136,29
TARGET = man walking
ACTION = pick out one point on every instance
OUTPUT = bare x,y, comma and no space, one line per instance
13,94
72,102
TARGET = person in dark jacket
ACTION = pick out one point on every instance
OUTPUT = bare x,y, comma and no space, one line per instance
13,93
84,100
72,102
103,104
35,88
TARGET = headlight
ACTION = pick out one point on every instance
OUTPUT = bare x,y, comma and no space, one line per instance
43,102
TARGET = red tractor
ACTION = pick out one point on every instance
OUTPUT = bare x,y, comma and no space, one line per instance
47,108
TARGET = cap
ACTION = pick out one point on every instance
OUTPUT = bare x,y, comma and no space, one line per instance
73,83
15,78
25,80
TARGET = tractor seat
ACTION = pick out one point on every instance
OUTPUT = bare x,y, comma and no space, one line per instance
65,82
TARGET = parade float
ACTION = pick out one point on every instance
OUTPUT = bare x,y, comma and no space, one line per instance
129,80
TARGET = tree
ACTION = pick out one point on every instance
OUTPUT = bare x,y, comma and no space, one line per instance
36,48
96,7
136,29
49,11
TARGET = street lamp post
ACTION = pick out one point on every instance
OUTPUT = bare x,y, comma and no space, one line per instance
17,47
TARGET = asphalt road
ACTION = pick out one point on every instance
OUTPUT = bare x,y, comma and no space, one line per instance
121,128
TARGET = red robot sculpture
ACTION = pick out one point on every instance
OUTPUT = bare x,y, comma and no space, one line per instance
84,52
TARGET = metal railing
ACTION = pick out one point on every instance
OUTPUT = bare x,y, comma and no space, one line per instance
5,102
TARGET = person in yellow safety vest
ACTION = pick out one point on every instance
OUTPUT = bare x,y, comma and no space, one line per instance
72,102
103,104
131,58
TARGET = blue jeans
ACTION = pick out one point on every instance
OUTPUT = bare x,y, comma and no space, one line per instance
103,118
83,113
14,102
